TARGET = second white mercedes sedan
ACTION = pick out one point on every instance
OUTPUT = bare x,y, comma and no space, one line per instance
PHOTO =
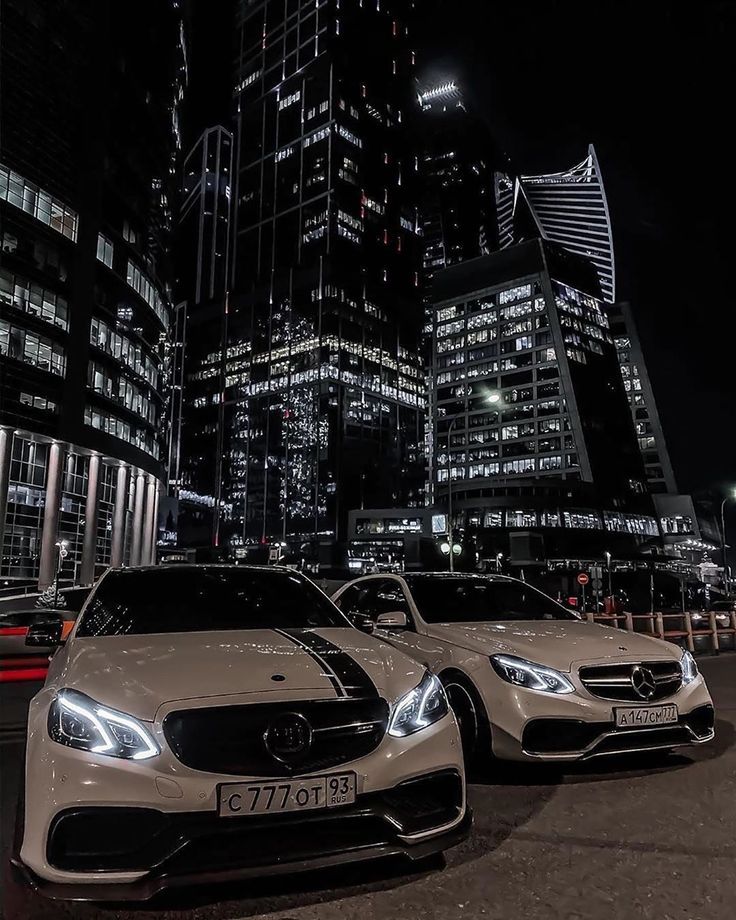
529,679
207,723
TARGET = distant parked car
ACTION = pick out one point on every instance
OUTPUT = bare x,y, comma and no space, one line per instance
529,679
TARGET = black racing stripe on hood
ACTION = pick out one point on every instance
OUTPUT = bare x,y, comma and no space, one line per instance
354,680
327,670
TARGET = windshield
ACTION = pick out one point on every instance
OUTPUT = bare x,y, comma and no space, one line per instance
200,599
476,600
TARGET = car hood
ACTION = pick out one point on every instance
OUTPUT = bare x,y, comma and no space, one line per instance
139,674
555,643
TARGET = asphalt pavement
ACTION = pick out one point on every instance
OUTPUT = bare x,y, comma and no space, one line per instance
641,838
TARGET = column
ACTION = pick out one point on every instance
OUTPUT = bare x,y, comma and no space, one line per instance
154,534
49,532
89,543
119,514
6,444
151,489
136,541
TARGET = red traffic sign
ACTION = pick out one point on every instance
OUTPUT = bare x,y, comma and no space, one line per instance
583,579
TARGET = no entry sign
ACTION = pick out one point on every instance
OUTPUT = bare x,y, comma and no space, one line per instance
583,579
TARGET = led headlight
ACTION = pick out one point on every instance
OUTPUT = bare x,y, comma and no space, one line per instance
78,721
422,706
689,668
527,674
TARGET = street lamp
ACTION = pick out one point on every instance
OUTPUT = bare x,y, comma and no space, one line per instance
608,568
492,397
61,554
724,544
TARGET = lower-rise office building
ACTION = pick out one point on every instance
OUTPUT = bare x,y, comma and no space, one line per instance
532,428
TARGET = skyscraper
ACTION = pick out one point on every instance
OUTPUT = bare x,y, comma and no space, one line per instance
203,246
569,208
90,131
459,159
323,384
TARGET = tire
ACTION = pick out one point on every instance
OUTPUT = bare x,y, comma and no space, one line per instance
472,719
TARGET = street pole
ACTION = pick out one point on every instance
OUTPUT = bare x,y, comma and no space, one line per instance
449,495
726,580
493,397
56,580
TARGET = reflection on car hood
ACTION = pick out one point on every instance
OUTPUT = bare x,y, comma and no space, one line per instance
556,643
137,674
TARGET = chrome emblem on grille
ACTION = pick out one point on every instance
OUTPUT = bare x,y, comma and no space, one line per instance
288,737
642,680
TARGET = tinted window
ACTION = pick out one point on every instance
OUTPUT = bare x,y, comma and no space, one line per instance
379,595
465,600
200,599
348,600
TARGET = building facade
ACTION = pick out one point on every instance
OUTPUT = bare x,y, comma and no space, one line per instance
569,208
322,392
639,391
459,160
203,243
532,427
89,113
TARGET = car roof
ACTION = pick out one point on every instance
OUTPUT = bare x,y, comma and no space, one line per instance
188,566
490,576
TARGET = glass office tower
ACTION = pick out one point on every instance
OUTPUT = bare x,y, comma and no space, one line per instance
323,390
90,130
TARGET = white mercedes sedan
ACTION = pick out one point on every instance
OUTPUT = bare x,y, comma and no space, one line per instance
527,678
207,723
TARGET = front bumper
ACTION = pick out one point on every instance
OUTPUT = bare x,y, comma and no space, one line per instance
99,828
570,739
414,820
531,726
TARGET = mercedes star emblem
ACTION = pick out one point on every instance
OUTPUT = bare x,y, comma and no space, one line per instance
642,680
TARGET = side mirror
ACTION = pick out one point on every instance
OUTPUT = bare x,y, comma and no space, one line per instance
396,619
363,622
45,632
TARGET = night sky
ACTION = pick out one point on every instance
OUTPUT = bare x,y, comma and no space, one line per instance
651,85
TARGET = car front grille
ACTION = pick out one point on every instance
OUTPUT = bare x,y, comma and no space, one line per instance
232,739
618,681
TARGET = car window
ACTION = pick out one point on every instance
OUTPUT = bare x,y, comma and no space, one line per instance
349,600
375,596
390,598
467,599
205,598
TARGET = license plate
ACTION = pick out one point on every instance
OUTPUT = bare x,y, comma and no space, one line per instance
644,716
276,796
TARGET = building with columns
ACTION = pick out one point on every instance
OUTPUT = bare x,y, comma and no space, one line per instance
90,135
